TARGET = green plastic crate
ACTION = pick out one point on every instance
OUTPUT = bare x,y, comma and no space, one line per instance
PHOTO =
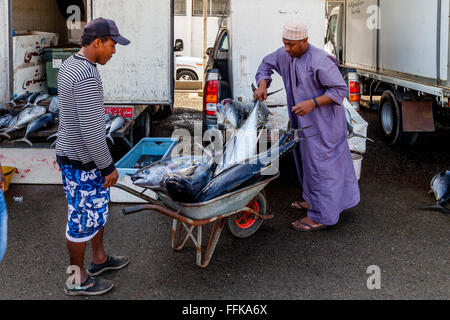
53,58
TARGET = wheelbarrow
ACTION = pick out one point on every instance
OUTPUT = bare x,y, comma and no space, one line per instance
242,210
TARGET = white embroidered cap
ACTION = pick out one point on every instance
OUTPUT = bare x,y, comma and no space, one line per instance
295,30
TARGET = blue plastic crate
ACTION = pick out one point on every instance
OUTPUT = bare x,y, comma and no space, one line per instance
152,149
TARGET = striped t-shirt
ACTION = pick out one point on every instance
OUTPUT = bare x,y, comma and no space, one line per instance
81,131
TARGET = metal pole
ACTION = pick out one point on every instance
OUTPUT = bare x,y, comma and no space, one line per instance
205,38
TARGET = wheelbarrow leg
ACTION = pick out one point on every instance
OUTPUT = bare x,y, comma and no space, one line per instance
178,241
213,239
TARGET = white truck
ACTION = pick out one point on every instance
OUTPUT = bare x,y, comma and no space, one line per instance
400,51
252,29
138,80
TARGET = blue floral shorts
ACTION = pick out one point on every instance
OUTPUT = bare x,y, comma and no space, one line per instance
87,202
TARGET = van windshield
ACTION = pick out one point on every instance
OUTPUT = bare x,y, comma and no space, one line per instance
333,23
224,44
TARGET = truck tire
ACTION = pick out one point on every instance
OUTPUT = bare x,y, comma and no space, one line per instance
164,112
243,224
390,120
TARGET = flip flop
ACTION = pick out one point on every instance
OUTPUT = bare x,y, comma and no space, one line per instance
298,205
311,228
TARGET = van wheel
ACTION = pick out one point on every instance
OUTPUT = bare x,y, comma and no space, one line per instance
390,119
244,224
186,75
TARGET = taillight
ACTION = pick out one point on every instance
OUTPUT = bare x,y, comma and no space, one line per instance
211,97
354,96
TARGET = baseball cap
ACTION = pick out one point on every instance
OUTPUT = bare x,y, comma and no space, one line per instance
101,27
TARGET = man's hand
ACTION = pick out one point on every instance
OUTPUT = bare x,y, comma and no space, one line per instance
111,179
261,93
303,108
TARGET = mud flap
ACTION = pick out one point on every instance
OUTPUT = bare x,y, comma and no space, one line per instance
417,116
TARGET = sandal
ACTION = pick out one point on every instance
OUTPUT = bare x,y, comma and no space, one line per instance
298,205
310,227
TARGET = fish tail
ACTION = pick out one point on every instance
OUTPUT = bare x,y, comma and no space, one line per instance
52,136
24,139
110,138
53,144
4,134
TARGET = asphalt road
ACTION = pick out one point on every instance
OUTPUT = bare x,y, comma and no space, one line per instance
409,247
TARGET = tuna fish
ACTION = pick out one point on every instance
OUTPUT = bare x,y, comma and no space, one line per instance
40,98
248,172
12,122
152,175
108,120
4,120
116,124
31,99
19,98
242,145
36,125
231,116
440,187
55,135
23,118
184,187
54,105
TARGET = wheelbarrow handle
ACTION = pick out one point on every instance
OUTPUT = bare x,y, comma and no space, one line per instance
133,209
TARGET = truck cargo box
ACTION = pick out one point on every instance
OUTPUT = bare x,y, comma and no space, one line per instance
253,36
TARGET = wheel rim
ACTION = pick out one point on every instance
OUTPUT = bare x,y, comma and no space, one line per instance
387,118
245,220
186,77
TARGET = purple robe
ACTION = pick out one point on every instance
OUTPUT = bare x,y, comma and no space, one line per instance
324,162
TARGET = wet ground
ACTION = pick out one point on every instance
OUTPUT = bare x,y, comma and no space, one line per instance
386,230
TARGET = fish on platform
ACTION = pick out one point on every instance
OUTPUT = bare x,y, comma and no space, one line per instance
40,98
22,97
55,135
36,125
4,120
23,118
440,187
54,105
30,99
116,125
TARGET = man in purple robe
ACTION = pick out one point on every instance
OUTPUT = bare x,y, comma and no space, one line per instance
315,91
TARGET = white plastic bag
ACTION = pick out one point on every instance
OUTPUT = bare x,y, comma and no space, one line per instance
359,126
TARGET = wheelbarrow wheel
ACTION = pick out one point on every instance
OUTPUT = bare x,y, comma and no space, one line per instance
245,224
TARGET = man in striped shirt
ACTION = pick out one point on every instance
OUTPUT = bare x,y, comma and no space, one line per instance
84,158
